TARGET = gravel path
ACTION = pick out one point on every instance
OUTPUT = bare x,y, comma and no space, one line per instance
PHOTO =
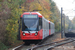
68,46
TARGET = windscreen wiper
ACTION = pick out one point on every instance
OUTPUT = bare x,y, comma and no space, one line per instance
28,31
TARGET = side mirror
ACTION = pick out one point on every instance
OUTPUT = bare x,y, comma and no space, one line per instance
18,21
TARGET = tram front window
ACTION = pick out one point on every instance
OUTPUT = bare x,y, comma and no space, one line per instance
30,23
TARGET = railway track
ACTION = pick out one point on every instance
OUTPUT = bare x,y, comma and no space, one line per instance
26,46
47,44
50,46
18,47
23,46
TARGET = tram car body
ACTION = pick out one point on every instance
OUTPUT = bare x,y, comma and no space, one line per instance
34,27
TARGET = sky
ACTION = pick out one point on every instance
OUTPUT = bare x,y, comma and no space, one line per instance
68,7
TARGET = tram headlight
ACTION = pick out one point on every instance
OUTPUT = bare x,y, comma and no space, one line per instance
23,33
36,33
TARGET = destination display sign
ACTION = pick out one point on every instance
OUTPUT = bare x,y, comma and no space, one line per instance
30,16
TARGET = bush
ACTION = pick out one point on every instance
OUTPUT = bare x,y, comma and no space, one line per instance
3,47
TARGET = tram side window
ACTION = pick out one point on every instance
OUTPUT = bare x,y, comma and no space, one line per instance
44,24
49,25
40,23
52,26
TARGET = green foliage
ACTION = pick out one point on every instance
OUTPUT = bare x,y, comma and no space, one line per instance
49,11
53,6
2,46
1,0
73,23
12,25
55,16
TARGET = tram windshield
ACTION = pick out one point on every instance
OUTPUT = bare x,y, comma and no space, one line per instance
30,23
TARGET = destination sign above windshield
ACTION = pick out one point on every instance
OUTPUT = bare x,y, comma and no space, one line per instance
30,16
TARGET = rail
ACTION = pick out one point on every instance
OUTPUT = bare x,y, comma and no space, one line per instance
53,44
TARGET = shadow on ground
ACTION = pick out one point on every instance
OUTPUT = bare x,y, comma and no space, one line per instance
70,34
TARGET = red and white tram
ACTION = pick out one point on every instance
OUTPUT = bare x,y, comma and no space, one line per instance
34,27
